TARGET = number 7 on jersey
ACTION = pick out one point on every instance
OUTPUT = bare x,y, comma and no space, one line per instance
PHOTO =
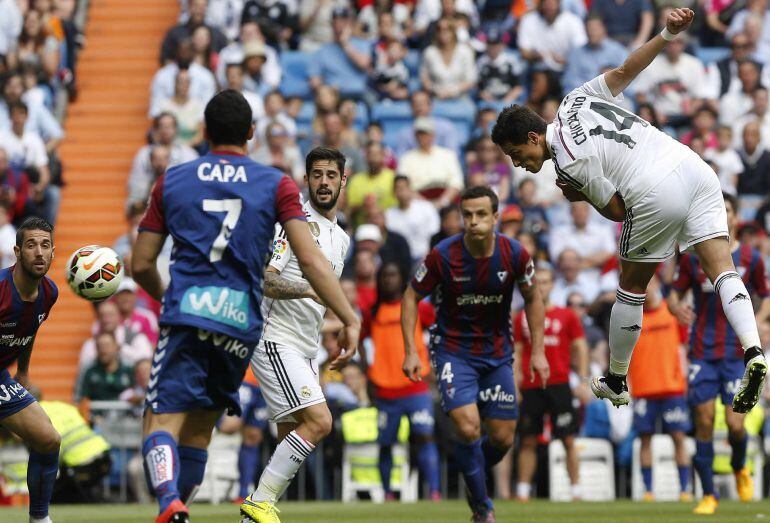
233,208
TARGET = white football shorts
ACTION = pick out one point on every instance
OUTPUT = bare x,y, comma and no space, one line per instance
686,208
288,378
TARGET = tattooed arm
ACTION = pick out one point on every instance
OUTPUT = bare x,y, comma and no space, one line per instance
282,289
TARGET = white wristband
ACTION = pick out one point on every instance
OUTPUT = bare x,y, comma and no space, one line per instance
667,35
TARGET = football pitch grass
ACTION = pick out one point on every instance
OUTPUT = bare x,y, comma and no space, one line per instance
424,512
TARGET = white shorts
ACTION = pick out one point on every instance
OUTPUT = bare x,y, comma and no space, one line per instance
288,378
685,208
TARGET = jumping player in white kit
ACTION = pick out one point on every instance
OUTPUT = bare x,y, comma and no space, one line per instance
662,191
285,359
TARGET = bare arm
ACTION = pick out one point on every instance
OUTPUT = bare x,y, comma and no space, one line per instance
645,27
280,288
534,310
620,77
580,359
143,263
22,365
412,367
679,308
763,314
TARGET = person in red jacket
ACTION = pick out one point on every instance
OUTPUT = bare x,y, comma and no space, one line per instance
565,347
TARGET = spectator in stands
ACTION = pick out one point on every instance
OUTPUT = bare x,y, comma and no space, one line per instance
342,63
203,53
427,14
371,187
656,380
499,71
276,20
14,188
394,247
629,22
547,35
755,178
535,217
511,219
723,75
122,246
332,137
674,83
365,265
40,120
275,111
394,394
448,68
7,238
390,76
315,23
572,279
135,395
348,110
726,160
756,12
132,346
389,20
135,319
594,243
413,218
184,31
374,133
254,60
234,79
233,54
451,224
10,25
26,152
445,133
279,152
327,100
491,169
586,62
564,343
433,171
735,104
759,112
36,47
108,376
143,171
703,126
203,85
187,110
544,87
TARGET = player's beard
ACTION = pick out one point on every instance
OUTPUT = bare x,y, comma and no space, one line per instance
31,270
325,206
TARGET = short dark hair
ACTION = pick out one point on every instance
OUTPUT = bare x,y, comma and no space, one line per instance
324,153
33,223
18,106
447,210
481,191
515,123
401,178
733,201
228,118
161,116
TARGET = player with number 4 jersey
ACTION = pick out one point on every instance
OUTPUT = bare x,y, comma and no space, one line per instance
472,276
663,192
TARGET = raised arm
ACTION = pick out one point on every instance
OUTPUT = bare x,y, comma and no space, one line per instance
619,78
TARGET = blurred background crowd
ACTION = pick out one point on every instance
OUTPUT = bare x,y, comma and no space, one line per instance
408,90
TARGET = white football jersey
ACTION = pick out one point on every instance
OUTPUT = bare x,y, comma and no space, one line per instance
600,148
297,323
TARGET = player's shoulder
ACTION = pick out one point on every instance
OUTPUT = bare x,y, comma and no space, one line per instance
444,247
342,235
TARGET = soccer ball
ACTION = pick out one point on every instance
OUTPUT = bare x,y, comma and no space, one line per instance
94,272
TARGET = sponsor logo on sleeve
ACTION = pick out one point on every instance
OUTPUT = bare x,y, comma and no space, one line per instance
421,272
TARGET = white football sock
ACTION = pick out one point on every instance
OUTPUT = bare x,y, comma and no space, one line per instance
736,303
625,328
523,490
284,464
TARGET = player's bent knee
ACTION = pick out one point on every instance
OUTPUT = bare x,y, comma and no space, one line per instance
469,431
47,442
501,441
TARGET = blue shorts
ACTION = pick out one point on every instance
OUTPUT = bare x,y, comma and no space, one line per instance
253,406
194,368
673,412
709,378
464,381
13,397
419,409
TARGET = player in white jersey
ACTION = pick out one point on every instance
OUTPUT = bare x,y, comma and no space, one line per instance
285,359
663,192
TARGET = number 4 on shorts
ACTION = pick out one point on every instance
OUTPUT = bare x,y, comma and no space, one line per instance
446,372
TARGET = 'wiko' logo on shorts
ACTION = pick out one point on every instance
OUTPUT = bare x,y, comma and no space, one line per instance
220,304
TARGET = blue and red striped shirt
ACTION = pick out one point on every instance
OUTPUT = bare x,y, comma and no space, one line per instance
19,319
711,336
473,298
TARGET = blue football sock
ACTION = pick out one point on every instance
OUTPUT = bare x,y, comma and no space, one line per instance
41,475
192,467
684,477
492,454
704,465
248,461
161,461
738,458
647,478
427,458
386,466
470,460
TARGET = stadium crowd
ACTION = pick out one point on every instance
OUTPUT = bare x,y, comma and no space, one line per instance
408,90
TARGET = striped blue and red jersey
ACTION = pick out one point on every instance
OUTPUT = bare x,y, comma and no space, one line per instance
473,296
711,336
19,319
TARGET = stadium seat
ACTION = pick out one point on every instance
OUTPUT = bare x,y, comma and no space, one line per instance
393,116
221,479
709,55
461,112
295,78
665,477
597,470
412,62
